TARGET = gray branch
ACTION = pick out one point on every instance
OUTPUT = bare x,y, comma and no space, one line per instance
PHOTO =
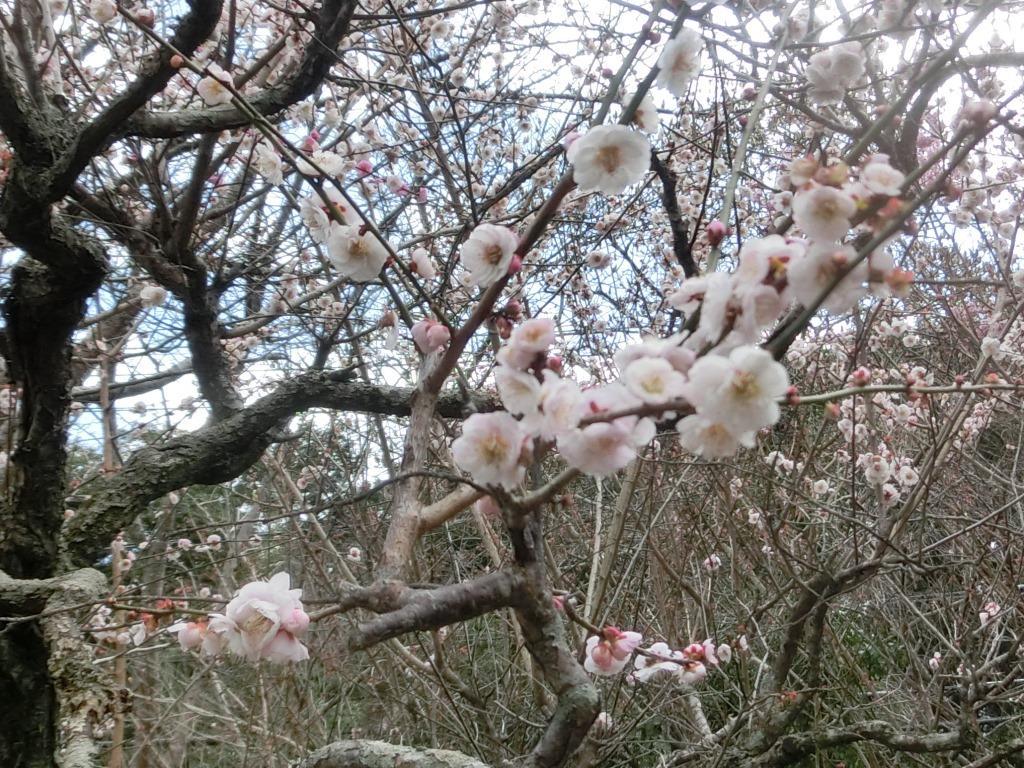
379,754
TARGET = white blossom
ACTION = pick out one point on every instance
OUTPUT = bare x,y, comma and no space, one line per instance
212,88
153,295
880,177
609,158
356,254
487,253
740,391
679,62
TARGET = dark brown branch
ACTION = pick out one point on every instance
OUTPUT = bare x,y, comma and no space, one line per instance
154,74
220,452
331,26
544,635
680,237
134,387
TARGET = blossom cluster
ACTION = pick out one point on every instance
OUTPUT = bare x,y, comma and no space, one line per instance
264,620
610,652
598,430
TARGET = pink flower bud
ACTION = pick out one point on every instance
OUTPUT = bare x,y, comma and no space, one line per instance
297,622
716,232
364,166
430,335
602,655
860,377
516,264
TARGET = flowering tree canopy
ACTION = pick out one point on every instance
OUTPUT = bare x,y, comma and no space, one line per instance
511,382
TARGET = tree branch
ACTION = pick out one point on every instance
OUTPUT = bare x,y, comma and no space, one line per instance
331,25
154,74
436,608
220,452
379,754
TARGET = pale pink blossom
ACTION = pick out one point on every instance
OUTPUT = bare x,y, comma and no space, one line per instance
815,272
605,447
264,620
989,612
890,495
561,407
692,672
267,163
662,662
832,71
489,449
669,349
102,11
708,649
823,213
689,295
701,436
190,634
153,295
877,470
598,449
760,257
646,115
907,475
880,177
654,380
802,170
421,264
529,340
714,309
315,218
519,391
